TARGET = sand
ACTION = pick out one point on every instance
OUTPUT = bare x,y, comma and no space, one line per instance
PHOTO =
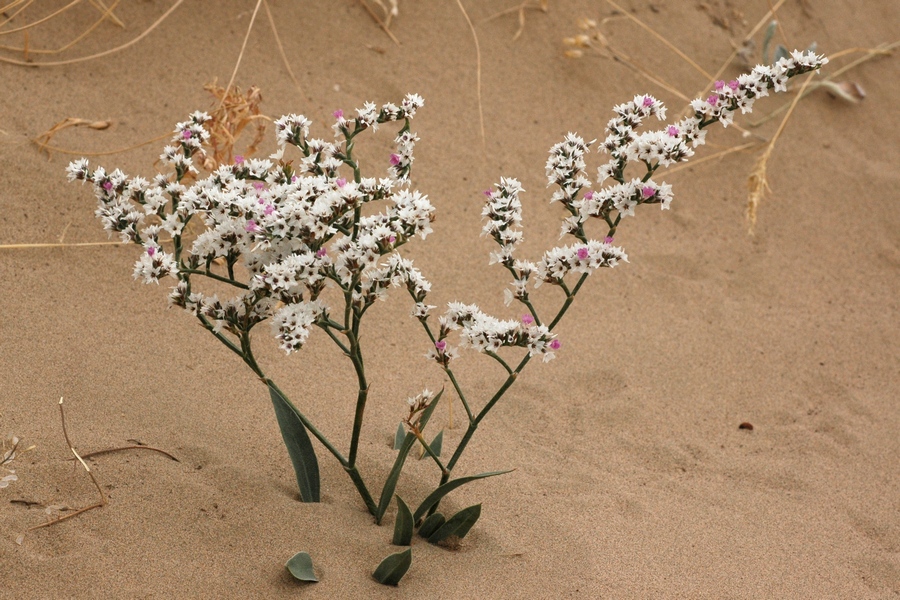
632,478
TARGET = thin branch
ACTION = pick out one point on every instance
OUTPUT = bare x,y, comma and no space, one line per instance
241,55
477,71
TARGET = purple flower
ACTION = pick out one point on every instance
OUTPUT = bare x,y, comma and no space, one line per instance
151,251
648,101
527,319
647,191
395,159
588,195
555,344
441,345
583,253
107,185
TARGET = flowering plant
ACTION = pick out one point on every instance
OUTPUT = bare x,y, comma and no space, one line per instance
292,240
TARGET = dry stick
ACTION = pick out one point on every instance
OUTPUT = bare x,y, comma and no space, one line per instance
521,10
86,468
15,14
83,35
241,55
881,50
477,72
757,183
107,12
379,21
105,152
135,447
281,49
20,246
660,38
99,54
39,21
772,11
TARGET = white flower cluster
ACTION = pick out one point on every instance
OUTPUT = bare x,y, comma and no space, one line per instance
292,229
579,258
503,216
485,333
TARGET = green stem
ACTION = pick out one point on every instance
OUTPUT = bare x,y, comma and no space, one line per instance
430,452
212,275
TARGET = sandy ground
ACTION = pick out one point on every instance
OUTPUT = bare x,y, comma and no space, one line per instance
632,478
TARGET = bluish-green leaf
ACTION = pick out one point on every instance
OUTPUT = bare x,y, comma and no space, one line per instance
390,483
458,525
780,52
435,496
403,526
301,567
399,436
299,447
436,445
393,568
431,524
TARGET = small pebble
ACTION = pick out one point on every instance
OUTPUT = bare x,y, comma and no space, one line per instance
746,425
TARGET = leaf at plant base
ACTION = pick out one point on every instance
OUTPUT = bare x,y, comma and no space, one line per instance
431,524
435,496
393,568
436,445
403,526
301,567
399,436
390,483
458,525
299,447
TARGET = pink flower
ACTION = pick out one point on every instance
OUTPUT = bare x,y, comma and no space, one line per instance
720,84
293,179
107,185
151,251
583,253
186,134
258,185
395,159
647,191
321,252
269,209
488,193
238,159
588,195
555,344
338,114
672,131
713,99
734,85
648,101
341,182
392,239
527,319
441,345
251,226
608,240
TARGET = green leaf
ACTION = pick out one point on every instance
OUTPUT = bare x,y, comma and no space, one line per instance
299,447
403,526
458,525
780,52
393,568
301,567
435,496
399,436
390,483
431,524
436,444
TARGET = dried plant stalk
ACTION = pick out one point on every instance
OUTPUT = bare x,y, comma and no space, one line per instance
234,111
